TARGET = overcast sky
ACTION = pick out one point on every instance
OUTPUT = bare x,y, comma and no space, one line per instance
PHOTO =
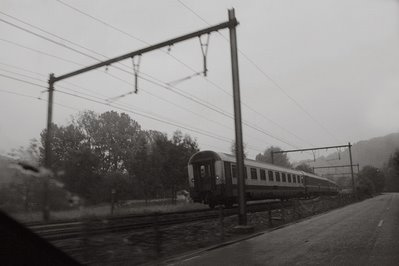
320,72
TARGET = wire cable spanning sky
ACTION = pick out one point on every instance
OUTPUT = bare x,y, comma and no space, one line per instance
326,61
125,94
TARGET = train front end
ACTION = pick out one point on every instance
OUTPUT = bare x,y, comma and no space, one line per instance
206,178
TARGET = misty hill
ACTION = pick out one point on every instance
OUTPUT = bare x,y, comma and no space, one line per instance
374,152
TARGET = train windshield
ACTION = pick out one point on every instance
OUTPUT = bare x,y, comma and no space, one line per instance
204,175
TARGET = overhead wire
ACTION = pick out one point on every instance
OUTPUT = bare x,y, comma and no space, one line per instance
121,31
36,98
89,95
264,116
267,76
214,108
24,81
177,81
178,125
182,94
99,100
40,52
47,39
96,93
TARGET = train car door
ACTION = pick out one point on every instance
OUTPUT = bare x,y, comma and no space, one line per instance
204,176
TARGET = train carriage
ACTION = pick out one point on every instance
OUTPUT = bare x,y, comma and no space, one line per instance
213,179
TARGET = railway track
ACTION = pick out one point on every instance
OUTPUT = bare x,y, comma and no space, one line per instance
78,229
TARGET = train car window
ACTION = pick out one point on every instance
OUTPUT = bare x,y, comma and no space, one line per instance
254,174
262,174
277,176
289,178
205,170
234,171
294,178
284,179
271,178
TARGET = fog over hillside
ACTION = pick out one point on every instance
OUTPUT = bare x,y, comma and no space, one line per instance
374,152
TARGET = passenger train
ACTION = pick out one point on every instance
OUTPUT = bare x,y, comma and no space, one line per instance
213,180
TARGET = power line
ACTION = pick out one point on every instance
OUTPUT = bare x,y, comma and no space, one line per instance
85,54
96,97
209,134
23,75
193,12
265,75
47,39
55,35
290,97
148,116
24,81
36,98
153,95
41,52
141,113
58,43
124,32
214,108
262,115
23,69
102,21
143,41
121,31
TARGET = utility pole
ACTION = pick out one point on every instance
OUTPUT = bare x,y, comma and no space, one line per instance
351,164
47,149
242,214
231,24
349,146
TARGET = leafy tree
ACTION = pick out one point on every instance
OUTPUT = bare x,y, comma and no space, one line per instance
112,136
375,176
175,154
98,153
280,159
364,186
73,157
391,171
305,167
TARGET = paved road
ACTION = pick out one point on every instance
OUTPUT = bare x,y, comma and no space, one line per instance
365,233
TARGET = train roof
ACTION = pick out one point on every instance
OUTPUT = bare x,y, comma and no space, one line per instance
208,154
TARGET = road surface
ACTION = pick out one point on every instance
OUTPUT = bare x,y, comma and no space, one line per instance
364,233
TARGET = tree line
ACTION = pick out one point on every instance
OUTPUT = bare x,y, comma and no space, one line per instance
96,154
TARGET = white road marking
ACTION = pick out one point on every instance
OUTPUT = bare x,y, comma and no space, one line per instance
380,223
191,258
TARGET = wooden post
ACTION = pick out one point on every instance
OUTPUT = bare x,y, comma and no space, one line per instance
47,149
